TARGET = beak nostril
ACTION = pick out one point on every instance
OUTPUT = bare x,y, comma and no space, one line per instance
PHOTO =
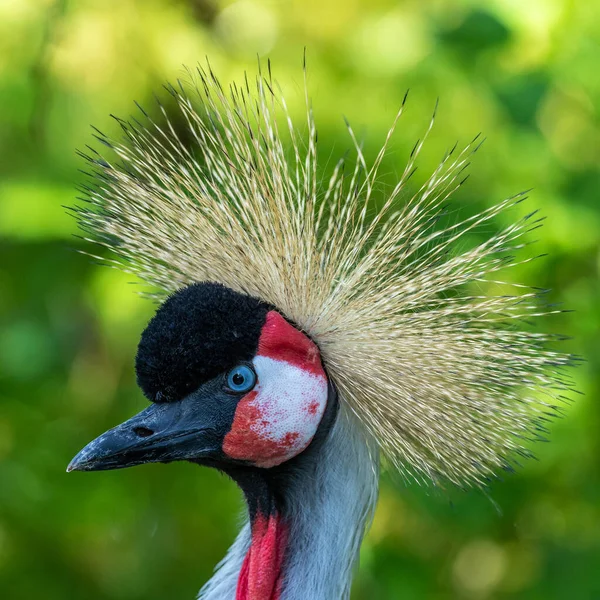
143,431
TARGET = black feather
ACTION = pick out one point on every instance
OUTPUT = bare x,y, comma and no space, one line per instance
199,332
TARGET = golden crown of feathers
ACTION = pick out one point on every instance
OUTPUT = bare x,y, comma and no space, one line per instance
440,376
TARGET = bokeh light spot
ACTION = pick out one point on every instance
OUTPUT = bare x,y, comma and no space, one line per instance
479,567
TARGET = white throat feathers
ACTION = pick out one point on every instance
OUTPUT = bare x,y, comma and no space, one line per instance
330,506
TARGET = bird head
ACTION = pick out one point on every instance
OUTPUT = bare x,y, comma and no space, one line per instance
232,383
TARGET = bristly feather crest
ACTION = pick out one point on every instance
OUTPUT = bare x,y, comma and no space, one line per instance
442,379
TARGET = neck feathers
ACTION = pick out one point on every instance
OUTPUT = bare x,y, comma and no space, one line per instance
308,546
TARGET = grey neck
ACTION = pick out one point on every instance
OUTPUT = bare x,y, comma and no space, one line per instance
329,505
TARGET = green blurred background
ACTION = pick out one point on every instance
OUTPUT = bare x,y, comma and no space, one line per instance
523,72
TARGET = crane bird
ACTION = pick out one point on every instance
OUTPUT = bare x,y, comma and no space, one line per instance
309,329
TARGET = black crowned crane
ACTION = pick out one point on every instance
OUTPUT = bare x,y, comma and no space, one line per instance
309,329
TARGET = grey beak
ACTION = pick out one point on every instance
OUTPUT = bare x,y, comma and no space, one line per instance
161,433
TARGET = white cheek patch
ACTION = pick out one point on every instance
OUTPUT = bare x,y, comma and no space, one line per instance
291,402
279,418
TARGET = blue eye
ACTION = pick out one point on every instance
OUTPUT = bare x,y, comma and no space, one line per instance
241,379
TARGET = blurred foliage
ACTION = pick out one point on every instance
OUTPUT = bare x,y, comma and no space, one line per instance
524,73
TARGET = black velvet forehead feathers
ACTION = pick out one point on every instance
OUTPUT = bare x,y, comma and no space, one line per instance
198,332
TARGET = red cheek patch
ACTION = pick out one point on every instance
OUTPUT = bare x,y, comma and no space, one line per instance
281,341
312,408
246,440
278,419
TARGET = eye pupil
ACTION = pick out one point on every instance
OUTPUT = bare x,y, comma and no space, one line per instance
241,379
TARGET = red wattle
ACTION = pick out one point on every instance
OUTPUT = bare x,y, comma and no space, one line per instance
260,576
